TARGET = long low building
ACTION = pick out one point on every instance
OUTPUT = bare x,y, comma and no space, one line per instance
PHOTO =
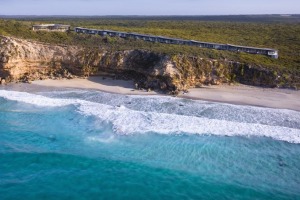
51,27
151,38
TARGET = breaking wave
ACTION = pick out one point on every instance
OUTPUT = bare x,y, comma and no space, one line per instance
128,121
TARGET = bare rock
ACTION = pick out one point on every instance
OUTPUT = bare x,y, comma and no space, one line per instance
3,81
163,86
199,85
215,82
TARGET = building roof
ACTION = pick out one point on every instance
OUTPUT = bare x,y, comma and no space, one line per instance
246,47
176,39
53,25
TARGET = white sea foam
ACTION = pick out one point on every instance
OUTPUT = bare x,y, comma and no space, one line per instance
34,99
109,139
127,121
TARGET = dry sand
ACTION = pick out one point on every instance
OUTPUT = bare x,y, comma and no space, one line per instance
248,95
98,83
237,94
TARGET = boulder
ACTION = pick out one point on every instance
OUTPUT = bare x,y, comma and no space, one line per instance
163,86
199,85
215,82
3,81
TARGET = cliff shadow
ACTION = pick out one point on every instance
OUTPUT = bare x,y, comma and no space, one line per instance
111,82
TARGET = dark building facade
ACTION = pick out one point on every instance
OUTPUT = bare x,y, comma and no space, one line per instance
151,38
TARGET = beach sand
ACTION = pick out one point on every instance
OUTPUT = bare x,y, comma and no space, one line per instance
236,94
96,82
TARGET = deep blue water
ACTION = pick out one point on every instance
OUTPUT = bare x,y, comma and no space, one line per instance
80,144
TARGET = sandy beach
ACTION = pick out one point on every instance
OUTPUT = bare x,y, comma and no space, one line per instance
97,83
236,94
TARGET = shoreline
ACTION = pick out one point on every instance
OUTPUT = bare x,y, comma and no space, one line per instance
262,97
236,94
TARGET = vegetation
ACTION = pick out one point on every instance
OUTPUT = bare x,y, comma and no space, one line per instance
278,32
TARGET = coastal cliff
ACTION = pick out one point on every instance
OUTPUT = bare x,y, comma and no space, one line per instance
24,60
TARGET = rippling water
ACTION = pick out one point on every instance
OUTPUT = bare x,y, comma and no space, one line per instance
84,144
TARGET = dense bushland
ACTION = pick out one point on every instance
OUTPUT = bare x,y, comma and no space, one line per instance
283,35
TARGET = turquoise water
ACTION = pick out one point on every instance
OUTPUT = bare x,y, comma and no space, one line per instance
81,144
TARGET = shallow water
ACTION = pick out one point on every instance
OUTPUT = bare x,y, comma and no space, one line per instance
85,144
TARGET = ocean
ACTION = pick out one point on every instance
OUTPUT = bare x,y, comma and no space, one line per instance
87,144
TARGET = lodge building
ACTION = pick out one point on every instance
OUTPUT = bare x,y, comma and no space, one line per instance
151,38
51,27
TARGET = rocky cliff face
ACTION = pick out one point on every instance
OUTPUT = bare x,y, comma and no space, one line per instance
23,60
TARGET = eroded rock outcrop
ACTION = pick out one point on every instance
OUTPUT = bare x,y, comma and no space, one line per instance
24,60
20,57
